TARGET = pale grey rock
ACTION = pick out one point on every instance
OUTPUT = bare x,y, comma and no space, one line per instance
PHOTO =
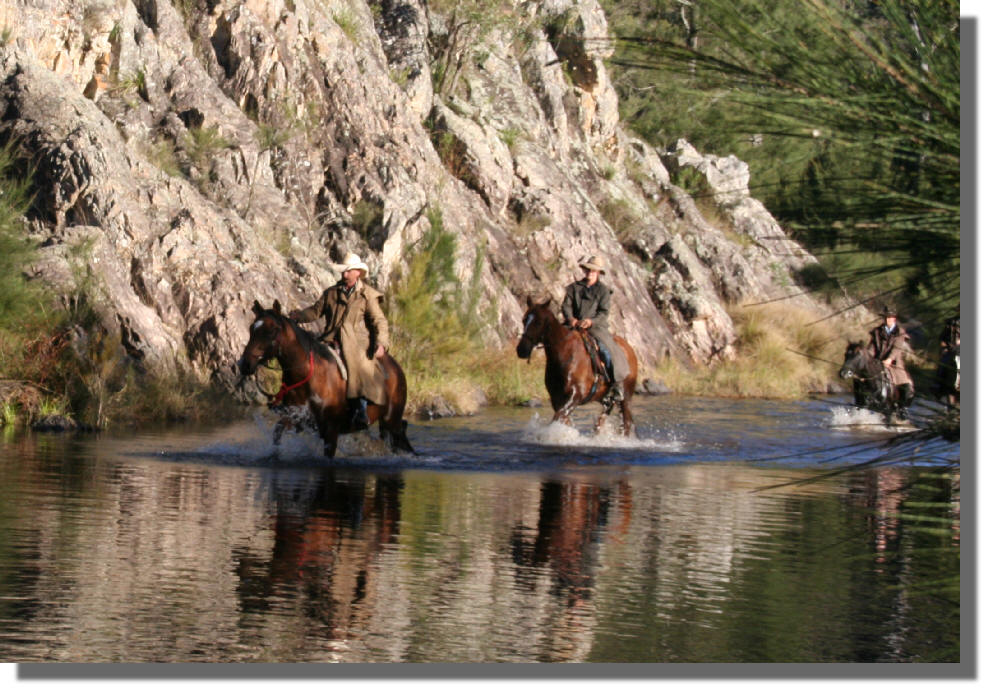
238,150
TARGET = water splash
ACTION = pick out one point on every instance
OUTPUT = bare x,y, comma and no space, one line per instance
255,444
559,434
858,418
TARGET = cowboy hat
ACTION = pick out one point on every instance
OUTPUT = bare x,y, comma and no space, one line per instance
888,311
593,262
353,262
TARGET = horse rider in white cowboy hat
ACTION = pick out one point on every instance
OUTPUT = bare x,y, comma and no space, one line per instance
890,343
586,305
356,325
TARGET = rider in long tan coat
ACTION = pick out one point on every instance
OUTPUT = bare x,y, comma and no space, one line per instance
890,344
356,325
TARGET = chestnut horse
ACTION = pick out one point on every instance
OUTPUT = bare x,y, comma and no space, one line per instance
569,376
311,376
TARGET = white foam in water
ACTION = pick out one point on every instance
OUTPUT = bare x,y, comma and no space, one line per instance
851,417
257,445
560,434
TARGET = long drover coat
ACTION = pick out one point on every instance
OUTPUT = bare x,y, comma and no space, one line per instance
894,346
356,322
592,302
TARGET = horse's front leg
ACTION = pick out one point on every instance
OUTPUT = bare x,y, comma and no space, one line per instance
280,429
563,413
329,434
606,411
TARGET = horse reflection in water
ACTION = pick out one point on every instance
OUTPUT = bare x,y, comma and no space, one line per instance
339,543
576,516
569,375
312,378
329,534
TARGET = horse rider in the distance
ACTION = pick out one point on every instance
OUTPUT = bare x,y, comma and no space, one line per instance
356,326
889,344
586,305
948,369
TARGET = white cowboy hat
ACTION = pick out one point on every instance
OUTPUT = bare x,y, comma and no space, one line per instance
593,262
353,262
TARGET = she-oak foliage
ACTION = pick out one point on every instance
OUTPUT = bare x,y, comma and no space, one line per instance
848,113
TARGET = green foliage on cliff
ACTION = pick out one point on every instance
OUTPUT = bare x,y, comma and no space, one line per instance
17,297
847,112
437,328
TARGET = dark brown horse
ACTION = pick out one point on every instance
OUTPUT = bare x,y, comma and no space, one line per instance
311,377
569,375
872,388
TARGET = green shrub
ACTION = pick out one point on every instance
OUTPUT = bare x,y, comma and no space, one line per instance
511,136
436,326
17,297
203,144
366,218
161,152
348,23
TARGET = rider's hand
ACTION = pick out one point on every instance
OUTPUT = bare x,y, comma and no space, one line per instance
585,323
573,322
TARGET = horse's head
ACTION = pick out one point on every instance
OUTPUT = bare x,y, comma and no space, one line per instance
854,360
535,322
264,342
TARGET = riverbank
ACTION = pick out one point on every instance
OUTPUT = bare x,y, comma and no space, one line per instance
780,354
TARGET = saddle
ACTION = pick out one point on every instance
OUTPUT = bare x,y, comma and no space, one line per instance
594,350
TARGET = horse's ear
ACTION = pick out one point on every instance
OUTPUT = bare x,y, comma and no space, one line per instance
529,302
277,308
257,308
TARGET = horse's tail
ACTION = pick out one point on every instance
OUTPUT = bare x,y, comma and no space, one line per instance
392,424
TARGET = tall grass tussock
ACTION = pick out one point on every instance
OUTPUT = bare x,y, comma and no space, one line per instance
782,352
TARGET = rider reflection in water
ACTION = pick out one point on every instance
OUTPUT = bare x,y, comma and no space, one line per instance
356,326
586,305
889,344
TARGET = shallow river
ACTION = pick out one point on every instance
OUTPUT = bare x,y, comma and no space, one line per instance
712,537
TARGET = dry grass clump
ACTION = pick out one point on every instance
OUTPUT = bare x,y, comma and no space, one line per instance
465,382
782,352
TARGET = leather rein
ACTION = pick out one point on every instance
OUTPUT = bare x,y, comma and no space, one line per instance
275,400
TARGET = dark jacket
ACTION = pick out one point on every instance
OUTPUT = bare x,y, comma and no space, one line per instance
582,301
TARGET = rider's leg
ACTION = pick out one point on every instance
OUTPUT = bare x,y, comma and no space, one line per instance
615,361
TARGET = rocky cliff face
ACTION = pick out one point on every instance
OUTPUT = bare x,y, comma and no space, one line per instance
192,156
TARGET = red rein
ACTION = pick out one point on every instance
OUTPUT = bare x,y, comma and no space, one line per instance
277,398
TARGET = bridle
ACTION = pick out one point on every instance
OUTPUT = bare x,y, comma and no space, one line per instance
275,399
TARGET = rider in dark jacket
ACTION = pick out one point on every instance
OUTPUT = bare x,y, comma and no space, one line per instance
586,305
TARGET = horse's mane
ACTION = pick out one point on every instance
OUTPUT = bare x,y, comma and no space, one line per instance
309,341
